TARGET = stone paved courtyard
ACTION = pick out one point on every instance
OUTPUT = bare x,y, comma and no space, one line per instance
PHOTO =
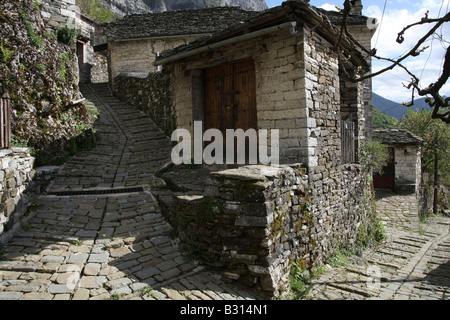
118,246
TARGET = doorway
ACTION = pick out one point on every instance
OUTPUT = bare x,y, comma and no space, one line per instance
230,98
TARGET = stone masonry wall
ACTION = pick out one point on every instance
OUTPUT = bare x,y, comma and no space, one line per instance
407,168
65,13
138,56
337,206
16,175
249,222
149,93
62,13
255,221
364,36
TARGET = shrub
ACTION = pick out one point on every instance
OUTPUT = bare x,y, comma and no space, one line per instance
374,156
67,35
6,54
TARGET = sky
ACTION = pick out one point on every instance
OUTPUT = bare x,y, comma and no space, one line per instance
398,14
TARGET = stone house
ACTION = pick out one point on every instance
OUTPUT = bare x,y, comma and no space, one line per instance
275,70
134,42
278,71
404,170
65,13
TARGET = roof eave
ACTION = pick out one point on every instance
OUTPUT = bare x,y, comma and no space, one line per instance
288,12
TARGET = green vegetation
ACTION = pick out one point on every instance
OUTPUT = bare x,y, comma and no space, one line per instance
67,35
42,68
26,226
35,39
36,5
435,151
436,136
51,35
96,11
383,121
370,232
65,62
300,278
117,296
374,156
58,92
63,72
6,54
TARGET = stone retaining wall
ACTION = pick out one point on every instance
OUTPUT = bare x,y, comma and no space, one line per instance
20,182
149,93
255,221
16,175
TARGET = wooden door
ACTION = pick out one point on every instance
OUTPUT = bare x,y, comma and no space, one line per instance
244,112
230,97
219,98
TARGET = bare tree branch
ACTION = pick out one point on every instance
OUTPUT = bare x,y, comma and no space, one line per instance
438,103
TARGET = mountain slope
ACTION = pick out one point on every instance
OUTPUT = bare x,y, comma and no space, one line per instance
395,109
127,7
383,121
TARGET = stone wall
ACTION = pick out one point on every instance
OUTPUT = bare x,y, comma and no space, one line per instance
255,221
149,93
407,168
363,34
65,13
137,56
16,176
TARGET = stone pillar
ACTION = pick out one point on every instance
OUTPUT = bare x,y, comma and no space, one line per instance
357,7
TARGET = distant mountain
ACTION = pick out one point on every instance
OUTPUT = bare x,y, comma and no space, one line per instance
395,109
127,7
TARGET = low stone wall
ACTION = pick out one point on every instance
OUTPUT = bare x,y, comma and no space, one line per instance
255,221
20,183
16,175
149,93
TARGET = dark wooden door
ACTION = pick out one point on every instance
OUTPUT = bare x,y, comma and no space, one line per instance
219,98
386,179
244,112
230,98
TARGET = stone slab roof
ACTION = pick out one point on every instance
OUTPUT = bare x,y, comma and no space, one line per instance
292,10
396,137
173,23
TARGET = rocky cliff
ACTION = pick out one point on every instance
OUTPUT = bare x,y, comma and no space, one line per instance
126,7
40,75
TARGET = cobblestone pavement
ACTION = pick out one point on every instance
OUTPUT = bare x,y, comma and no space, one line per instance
106,246
413,264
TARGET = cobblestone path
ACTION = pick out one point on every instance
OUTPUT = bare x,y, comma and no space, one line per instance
413,264
106,246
